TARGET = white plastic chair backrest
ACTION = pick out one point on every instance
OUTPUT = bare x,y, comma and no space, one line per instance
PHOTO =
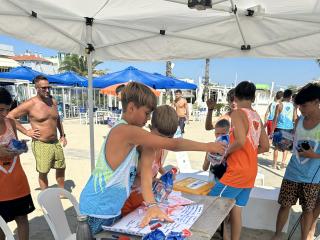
6,230
49,201
183,162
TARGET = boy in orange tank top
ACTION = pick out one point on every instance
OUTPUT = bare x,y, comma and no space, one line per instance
247,139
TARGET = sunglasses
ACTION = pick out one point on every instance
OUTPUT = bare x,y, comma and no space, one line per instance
45,88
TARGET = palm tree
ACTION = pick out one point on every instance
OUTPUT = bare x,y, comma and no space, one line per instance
168,93
78,64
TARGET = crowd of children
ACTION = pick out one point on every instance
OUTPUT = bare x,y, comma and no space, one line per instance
131,158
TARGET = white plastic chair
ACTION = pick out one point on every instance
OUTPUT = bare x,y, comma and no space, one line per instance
49,201
6,230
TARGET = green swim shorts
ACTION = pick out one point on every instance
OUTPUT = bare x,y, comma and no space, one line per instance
48,155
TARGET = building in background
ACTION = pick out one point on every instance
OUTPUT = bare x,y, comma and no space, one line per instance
36,62
6,63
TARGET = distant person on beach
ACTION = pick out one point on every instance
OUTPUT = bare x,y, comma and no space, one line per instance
44,119
247,139
211,103
302,177
271,110
15,199
284,117
116,167
164,122
181,106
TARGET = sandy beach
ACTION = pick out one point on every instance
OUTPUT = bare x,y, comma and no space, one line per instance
78,171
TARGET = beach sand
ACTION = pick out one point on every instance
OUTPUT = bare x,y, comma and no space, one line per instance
78,171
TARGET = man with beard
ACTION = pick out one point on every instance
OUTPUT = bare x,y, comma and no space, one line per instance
44,119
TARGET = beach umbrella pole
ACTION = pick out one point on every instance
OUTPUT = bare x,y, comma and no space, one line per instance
89,51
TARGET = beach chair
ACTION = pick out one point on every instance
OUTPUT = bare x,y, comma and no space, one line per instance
50,203
6,230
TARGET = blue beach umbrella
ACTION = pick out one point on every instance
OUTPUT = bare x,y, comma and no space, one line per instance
70,78
26,73
178,84
133,74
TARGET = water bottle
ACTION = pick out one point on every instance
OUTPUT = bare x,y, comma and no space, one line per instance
216,158
83,229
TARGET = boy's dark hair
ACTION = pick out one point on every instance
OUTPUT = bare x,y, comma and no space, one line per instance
230,95
39,78
5,96
178,91
120,88
279,95
139,94
309,92
245,91
287,93
165,120
223,123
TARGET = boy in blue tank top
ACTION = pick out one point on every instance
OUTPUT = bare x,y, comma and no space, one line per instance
285,115
302,177
110,183
269,115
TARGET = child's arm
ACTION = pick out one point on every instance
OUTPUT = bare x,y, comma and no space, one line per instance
264,144
153,212
240,131
206,163
137,136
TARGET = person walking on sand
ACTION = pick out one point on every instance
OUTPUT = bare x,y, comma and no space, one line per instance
181,106
44,119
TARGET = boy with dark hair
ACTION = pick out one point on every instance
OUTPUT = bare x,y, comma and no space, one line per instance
284,117
221,128
109,185
269,116
247,139
15,199
302,176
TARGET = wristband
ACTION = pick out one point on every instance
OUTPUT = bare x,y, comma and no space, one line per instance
151,204
210,109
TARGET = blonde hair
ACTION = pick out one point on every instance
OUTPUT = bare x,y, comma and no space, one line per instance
139,94
165,120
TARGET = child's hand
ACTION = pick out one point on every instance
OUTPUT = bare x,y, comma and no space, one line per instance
7,152
217,147
307,153
154,213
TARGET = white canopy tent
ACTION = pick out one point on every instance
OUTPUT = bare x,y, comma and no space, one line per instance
165,29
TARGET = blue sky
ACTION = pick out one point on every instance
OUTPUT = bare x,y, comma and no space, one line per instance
223,70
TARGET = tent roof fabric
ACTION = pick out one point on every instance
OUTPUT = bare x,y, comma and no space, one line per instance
168,29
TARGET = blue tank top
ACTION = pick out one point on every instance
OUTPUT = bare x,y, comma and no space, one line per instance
285,119
272,111
107,190
300,169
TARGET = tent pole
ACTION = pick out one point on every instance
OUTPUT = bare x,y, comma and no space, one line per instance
90,94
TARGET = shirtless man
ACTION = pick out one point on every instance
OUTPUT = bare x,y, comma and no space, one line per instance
44,119
181,106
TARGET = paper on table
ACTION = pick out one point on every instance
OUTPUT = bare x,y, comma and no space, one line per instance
183,216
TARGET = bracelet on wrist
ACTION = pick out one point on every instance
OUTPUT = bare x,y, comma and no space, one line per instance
151,204
210,109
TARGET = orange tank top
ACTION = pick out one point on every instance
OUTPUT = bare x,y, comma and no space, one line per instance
13,181
243,163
